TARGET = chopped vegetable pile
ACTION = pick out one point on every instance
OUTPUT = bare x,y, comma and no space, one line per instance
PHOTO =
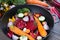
25,26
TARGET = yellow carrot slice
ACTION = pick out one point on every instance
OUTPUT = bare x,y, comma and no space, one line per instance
20,32
41,30
13,19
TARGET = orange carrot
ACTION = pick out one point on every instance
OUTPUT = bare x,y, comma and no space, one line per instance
37,15
27,31
41,30
20,32
26,13
38,2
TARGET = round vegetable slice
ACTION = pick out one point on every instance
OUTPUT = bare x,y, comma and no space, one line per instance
26,18
26,30
41,18
14,37
23,38
20,15
10,24
39,38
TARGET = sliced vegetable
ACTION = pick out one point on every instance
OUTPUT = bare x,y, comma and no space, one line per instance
30,25
46,27
41,30
26,13
20,32
39,38
41,18
12,20
23,38
14,37
26,30
37,15
31,18
20,24
20,15
10,24
26,18
33,34
9,34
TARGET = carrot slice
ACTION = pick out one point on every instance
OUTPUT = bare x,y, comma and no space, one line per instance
41,30
20,32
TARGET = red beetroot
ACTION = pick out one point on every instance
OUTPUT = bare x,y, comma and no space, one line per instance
9,34
20,23
33,34
30,25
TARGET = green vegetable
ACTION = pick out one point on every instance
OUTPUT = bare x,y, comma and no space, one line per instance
15,2
23,10
18,2
26,10
20,11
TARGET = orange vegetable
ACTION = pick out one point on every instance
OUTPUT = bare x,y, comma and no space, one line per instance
27,31
38,2
37,15
25,13
20,32
41,30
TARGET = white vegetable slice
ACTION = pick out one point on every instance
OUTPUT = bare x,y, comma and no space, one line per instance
46,27
41,18
10,24
14,37
24,29
23,38
26,18
39,38
20,15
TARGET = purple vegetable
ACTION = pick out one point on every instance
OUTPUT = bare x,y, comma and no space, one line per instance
53,10
56,3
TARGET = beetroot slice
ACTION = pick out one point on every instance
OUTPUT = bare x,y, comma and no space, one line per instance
20,24
31,26
9,34
33,35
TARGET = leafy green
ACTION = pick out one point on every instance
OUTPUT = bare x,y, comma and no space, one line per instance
0,1
18,2
23,10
